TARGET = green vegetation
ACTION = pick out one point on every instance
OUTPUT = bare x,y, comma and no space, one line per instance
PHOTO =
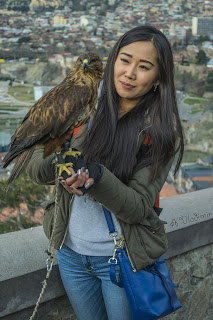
195,110
14,7
183,78
5,77
201,39
21,93
198,103
24,39
189,83
23,190
193,95
191,101
10,107
201,57
209,82
193,155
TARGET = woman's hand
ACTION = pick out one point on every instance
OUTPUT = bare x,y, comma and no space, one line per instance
78,183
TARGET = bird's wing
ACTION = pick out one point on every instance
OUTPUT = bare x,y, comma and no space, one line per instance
53,114
50,117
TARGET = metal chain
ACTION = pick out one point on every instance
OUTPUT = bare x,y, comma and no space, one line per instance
50,250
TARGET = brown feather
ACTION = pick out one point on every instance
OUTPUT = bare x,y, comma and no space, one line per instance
53,145
19,166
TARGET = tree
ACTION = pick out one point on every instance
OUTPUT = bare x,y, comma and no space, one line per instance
194,60
23,190
201,39
209,82
201,57
24,39
188,37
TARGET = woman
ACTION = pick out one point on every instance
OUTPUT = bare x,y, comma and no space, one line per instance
128,151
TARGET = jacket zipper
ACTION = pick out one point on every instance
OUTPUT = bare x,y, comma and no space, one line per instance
127,250
67,222
123,235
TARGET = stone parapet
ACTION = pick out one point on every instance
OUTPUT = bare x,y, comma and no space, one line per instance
189,258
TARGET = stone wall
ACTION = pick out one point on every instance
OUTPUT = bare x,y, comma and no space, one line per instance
189,258
194,69
193,273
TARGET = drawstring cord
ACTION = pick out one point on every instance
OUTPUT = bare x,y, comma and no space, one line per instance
50,251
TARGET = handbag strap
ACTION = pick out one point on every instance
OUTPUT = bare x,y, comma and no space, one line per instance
154,268
109,220
112,261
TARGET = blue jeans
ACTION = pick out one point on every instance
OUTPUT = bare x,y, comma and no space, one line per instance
91,293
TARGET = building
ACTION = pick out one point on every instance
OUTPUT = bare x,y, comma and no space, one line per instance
37,4
210,64
40,91
65,59
208,7
87,20
202,26
168,190
194,176
59,19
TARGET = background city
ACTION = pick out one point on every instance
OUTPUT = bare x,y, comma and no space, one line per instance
40,42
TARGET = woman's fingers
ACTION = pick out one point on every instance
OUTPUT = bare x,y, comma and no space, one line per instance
78,179
71,188
75,191
89,182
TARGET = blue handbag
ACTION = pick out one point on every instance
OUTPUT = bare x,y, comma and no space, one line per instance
150,291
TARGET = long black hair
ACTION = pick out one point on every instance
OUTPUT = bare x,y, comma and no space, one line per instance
112,141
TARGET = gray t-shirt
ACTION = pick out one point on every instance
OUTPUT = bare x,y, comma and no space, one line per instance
88,233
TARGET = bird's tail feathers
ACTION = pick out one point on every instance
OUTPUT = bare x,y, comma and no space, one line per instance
10,156
20,165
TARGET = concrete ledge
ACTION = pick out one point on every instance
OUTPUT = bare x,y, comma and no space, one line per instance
189,220
184,240
23,269
23,253
187,209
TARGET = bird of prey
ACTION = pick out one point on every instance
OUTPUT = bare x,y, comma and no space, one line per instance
56,114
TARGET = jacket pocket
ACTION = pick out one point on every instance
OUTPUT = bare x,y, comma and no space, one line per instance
153,237
48,221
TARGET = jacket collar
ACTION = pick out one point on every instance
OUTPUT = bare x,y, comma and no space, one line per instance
78,139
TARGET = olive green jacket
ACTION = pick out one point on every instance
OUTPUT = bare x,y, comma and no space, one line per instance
132,204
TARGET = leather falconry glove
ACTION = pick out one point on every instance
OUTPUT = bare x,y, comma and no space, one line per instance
70,157
67,158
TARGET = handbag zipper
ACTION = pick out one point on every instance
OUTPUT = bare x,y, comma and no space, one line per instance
127,250
67,222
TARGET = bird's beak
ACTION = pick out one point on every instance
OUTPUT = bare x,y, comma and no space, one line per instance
85,64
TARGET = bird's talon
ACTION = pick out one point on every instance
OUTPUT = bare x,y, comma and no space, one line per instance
63,167
71,153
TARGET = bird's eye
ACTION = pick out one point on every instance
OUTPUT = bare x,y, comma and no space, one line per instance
93,60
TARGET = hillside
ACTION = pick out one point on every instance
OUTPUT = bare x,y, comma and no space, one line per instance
42,72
